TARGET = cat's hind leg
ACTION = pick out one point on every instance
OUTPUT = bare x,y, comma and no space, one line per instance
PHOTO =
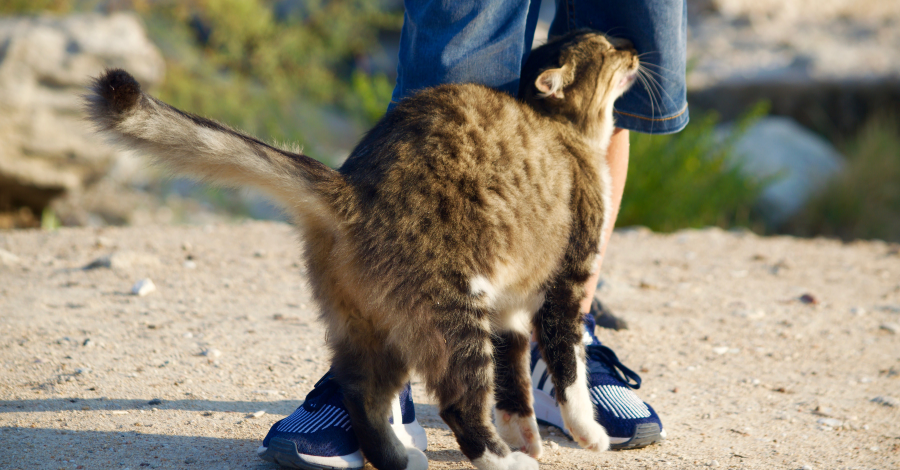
559,329
513,412
466,392
369,385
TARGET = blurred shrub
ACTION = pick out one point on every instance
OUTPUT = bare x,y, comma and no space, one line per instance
864,200
242,63
21,7
687,179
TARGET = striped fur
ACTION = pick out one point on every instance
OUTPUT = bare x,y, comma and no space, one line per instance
463,219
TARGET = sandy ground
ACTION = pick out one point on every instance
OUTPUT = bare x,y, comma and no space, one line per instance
743,372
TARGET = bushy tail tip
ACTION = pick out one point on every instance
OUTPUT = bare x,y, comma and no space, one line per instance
118,89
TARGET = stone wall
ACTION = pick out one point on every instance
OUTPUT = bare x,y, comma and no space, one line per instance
47,151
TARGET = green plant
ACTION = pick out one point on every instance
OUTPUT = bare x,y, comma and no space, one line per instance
23,7
864,200
688,180
49,220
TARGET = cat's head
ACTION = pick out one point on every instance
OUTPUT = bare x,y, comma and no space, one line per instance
579,75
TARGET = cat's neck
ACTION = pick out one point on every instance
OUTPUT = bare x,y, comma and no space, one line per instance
598,131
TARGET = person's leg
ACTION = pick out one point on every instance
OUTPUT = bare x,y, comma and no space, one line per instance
617,158
464,41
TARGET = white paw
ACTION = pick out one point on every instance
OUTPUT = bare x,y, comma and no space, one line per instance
417,459
521,461
513,461
589,434
520,432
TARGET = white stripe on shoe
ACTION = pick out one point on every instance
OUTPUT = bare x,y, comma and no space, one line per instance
620,402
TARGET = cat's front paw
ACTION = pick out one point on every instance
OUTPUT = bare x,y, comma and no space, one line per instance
513,461
589,434
520,432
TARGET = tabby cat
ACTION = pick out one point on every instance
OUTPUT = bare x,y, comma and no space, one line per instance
462,221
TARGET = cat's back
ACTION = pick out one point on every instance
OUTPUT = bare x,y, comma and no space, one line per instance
458,133
458,178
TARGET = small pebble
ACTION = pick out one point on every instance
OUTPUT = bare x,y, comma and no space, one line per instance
212,353
155,401
256,414
7,258
809,299
832,422
87,343
806,467
886,401
190,264
553,446
143,287
720,350
891,328
858,311
714,463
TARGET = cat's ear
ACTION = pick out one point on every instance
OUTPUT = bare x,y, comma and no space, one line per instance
550,82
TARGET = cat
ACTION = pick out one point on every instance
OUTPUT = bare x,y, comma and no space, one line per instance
463,220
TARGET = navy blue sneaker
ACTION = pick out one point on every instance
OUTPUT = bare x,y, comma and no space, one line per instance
318,436
629,421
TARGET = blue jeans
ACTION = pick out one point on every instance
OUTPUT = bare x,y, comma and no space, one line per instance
480,41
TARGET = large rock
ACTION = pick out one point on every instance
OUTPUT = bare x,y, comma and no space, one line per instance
46,149
796,163
830,64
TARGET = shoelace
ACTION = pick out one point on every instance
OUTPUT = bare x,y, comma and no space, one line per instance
613,366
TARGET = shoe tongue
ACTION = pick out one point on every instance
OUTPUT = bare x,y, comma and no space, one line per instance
323,393
588,337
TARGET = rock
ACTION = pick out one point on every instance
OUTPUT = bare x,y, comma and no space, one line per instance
887,401
720,350
891,328
7,258
796,162
48,150
749,314
143,287
827,64
123,260
553,446
155,401
212,353
830,422
256,414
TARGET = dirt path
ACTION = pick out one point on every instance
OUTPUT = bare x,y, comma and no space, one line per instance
743,373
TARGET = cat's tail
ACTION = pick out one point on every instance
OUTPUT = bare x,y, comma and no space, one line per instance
204,149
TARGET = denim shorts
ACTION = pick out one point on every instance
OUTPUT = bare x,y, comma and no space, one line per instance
481,41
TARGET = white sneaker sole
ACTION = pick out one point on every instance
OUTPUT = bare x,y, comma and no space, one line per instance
547,411
284,452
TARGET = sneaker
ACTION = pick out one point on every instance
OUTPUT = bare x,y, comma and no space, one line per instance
318,436
629,421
